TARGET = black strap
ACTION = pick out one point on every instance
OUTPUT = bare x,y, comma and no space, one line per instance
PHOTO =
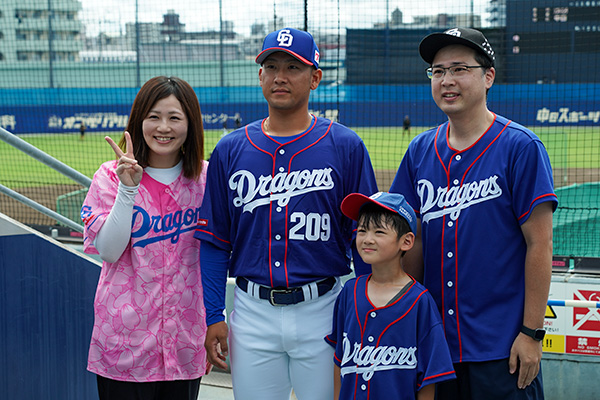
285,296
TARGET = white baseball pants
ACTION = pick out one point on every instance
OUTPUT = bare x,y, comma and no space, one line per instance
276,348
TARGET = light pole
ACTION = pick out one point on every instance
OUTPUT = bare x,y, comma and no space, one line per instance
137,46
221,72
306,15
50,45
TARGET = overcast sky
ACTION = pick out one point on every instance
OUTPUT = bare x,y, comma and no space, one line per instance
201,15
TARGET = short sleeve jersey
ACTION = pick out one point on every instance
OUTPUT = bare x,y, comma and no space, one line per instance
472,204
274,202
388,352
149,315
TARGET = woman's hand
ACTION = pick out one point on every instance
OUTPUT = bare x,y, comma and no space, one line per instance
128,170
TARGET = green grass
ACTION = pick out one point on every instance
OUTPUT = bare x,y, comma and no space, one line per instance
19,169
387,145
572,147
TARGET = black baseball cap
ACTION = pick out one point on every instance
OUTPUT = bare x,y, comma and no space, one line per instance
472,38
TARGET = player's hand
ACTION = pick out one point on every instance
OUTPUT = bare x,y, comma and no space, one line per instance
525,356
128,170
216,345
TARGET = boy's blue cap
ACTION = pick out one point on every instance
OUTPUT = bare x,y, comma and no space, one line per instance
390,201
299,44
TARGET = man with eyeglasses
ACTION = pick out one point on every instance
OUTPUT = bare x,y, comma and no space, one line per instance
482,188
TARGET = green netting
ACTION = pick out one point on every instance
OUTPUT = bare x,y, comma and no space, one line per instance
576,223
68,63
69,204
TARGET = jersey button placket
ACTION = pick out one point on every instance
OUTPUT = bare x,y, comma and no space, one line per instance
450,299
278,221
451,266
278,235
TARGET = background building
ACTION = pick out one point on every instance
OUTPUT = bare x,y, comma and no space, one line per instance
31,31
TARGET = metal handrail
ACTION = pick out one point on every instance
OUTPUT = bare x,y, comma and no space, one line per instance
51,162
45,158
41,208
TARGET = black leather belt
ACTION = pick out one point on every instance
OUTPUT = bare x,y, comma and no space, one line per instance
285,296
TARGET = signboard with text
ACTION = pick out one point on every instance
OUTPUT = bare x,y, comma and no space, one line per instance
573,330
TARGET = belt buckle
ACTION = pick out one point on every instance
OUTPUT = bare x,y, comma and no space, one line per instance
272,296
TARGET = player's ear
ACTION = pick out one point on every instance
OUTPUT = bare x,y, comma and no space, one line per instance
317,75
260,76
490,76
407,241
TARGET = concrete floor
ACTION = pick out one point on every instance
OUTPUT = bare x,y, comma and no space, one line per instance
216,386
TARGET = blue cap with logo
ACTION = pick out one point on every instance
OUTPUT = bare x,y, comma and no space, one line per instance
297,43
390,201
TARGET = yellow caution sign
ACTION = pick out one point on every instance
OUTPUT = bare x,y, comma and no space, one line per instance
550,313
553,344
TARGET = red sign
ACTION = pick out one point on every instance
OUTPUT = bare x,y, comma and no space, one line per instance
583,345
586,319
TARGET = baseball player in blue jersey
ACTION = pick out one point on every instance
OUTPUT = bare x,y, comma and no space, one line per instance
482,187
387,333
271,218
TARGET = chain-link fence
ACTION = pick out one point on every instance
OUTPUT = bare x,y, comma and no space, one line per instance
71,70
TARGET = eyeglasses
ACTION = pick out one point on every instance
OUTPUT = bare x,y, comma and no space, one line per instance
455,70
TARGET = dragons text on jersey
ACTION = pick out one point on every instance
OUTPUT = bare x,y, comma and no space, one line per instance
284,192
252,191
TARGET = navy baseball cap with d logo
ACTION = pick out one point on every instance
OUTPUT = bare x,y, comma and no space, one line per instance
390,201
299,44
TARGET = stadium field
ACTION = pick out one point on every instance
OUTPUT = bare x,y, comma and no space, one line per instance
574,147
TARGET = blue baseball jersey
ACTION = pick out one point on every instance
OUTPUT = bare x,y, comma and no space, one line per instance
388,352
274,202
472,204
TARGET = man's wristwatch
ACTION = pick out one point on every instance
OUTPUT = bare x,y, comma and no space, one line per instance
535,334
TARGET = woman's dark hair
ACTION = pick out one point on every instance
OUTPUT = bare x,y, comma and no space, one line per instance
156,89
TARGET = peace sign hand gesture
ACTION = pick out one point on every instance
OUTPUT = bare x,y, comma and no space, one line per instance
128,170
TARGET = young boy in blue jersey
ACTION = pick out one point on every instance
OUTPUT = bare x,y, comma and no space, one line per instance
387,333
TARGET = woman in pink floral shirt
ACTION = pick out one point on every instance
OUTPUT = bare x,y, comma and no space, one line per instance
140,214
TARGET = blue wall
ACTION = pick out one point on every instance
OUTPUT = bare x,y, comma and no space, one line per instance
62,110
46,306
